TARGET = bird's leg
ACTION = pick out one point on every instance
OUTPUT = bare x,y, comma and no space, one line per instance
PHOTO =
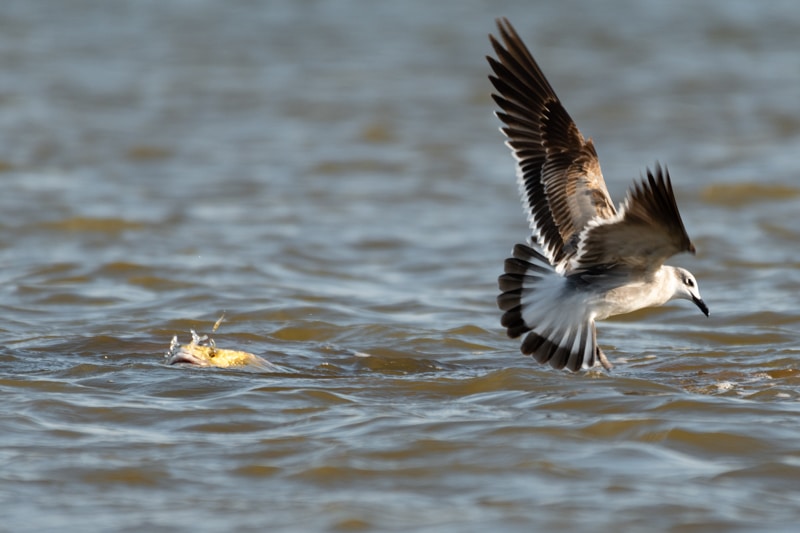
603,361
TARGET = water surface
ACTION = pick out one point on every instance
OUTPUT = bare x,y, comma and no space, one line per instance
331,177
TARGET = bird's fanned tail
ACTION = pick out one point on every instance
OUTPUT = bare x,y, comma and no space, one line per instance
536,301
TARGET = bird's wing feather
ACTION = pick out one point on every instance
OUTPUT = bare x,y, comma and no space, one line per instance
558,173
647,230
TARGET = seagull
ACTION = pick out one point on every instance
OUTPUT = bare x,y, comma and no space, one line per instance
586,260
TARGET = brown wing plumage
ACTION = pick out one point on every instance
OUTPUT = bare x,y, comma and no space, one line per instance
559,175
646,232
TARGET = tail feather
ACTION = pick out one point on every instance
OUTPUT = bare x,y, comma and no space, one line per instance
534,301
523,272
573,349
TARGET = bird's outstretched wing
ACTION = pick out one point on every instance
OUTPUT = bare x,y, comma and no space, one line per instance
558,173
647,230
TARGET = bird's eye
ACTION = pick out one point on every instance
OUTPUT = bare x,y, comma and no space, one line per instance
689,282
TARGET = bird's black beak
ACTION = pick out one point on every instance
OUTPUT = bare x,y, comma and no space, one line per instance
701,304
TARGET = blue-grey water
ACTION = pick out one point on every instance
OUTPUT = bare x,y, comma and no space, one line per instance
330,175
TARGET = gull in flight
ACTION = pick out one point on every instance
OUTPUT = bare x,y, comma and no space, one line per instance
586,260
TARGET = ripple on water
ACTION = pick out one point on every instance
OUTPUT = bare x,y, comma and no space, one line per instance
736,195
337,185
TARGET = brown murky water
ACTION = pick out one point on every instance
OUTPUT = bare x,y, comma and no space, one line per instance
330,175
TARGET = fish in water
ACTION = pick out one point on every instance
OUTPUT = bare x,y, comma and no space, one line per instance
203,351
